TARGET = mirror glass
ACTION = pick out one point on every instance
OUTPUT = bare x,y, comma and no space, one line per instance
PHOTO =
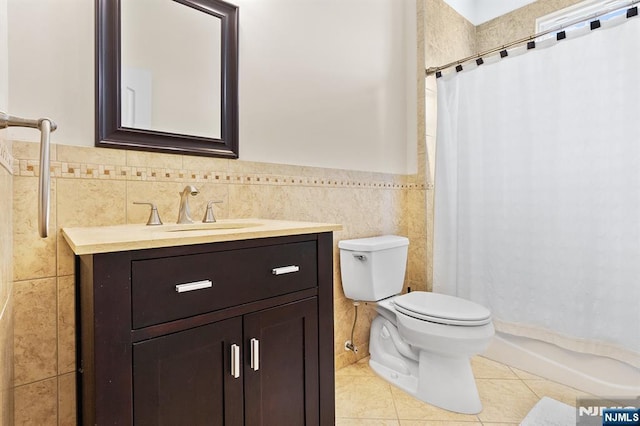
169,81
167,76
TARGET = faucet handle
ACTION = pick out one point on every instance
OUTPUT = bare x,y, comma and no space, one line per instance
208,216
154,217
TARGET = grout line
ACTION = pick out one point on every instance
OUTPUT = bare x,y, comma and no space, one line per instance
57,327
369,418
395,406
6,302
70,170
57,350
529,387
6,158
36,381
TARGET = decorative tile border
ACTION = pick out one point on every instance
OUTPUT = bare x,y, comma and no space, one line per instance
6,159
155,174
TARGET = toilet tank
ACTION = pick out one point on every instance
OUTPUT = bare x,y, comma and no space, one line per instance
373,268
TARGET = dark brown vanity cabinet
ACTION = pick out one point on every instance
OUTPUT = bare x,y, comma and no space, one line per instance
251,345
183,378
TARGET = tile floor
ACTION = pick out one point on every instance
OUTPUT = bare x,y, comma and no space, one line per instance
507,394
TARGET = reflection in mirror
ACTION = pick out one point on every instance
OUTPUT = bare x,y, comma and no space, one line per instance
169,81
167,76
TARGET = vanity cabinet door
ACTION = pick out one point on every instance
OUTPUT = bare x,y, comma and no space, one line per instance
186,378
281,370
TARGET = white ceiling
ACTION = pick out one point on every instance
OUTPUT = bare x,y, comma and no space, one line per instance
481,11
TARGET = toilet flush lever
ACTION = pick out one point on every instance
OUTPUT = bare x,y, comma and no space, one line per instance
360,257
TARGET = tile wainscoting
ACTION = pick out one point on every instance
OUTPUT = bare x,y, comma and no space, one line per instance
95,187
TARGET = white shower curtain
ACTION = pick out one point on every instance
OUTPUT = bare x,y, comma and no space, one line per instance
537,191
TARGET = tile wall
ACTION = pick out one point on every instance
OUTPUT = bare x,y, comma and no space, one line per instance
6,283
93,187
449,36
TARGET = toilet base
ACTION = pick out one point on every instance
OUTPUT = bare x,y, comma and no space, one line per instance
406,382
455,396
446,382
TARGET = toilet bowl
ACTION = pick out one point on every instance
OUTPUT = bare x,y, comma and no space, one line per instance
420,341
440,370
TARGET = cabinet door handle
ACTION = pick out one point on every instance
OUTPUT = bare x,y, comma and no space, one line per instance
255,354
235,361
196,285
285,270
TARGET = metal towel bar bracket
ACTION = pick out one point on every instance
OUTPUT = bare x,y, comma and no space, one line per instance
46,126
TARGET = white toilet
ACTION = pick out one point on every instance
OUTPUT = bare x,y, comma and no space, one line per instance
420,341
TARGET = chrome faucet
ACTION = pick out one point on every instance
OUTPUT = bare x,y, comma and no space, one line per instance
184,214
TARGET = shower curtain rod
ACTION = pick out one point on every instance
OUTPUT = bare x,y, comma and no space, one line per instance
630,13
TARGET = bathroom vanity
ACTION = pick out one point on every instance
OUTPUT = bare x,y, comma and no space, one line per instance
218,325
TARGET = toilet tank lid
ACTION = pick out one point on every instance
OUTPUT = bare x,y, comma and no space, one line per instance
382,242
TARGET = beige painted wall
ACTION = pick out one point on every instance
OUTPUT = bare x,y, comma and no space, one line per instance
325,83
4,57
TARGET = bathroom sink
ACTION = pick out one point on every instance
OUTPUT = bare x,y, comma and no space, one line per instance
204,226
138,236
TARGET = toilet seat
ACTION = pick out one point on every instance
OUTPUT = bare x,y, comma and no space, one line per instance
441,309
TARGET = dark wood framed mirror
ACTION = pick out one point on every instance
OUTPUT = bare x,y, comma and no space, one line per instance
167,76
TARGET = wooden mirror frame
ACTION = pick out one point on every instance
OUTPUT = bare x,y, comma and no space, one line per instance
109,131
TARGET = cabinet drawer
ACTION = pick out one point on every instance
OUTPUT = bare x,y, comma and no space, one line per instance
220,279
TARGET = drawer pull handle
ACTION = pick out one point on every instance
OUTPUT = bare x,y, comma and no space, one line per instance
255,354
196,285
235,361
285,270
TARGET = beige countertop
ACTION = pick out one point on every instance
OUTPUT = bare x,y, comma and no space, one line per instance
103,239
